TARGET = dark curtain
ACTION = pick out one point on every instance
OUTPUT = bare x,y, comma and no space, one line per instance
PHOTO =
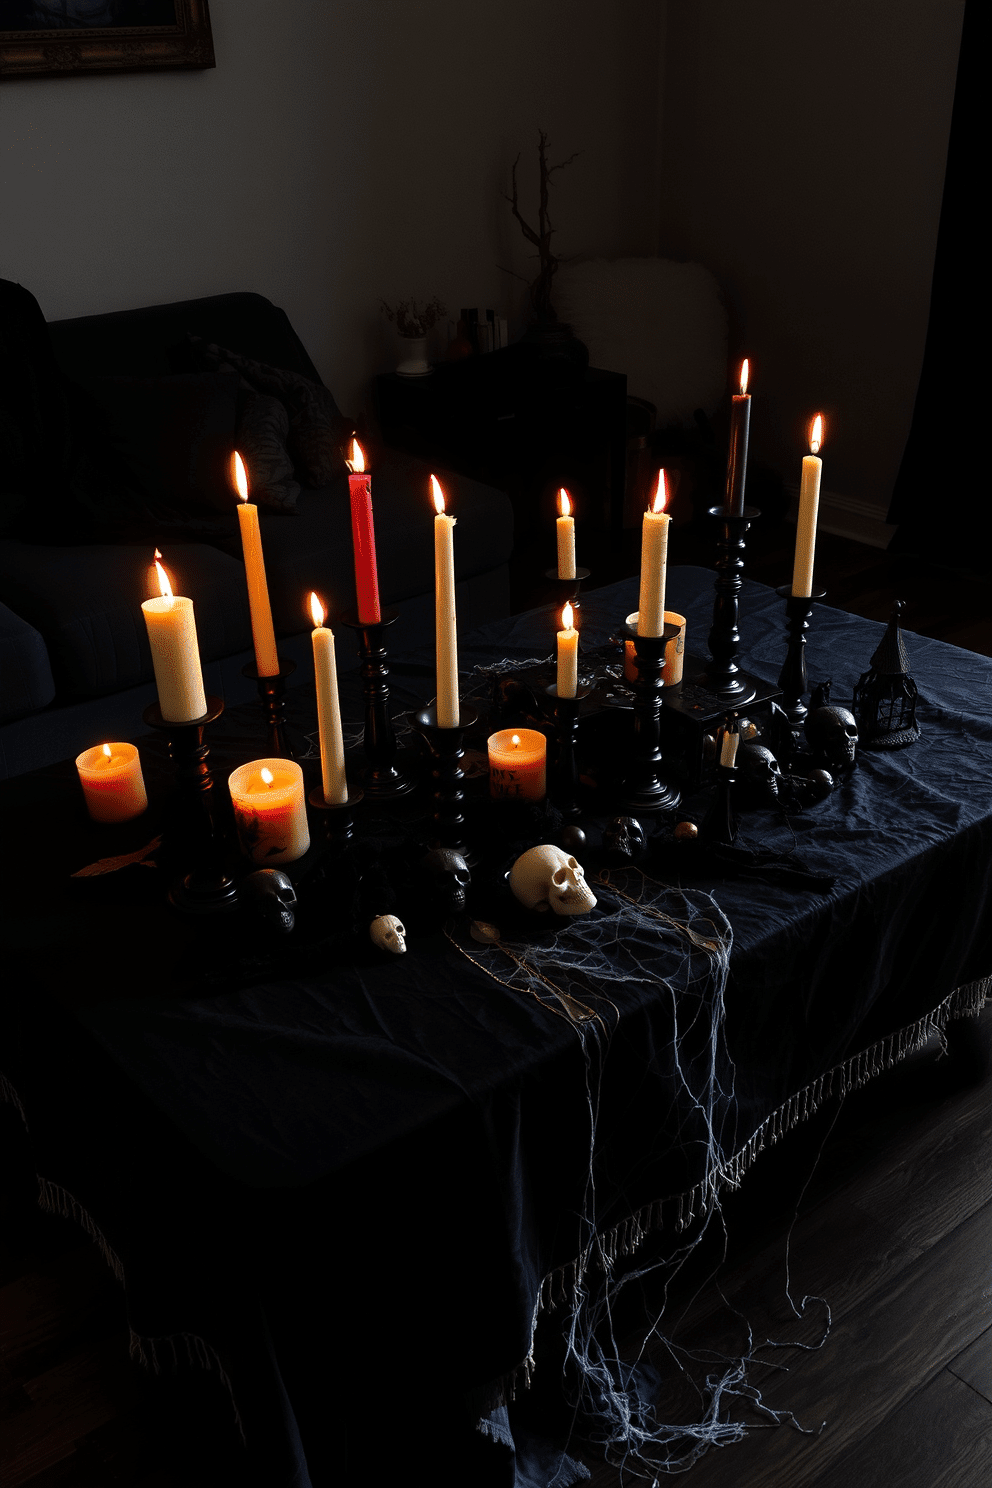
941,499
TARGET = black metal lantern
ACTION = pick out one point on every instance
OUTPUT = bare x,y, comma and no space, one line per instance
885,696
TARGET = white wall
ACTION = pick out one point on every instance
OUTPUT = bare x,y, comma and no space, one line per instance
804,144
341,151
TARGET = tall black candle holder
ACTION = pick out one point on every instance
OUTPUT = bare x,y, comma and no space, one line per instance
792,678
643,788
564,773
337,822
202,887
723,677
272,695
568,589
383,777
447,779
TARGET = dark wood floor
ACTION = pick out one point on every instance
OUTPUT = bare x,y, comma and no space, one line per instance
895,1230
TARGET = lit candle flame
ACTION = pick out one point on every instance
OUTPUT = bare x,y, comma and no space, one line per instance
564,503
267,775
816,435
437,494
356,464
240,476
163,579
744,373
317,610
515,741
660,500
566,616
106,750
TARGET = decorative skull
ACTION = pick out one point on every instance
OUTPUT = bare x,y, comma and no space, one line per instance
388,933
448,878
546,878
625,835
760,772
832,735
269,896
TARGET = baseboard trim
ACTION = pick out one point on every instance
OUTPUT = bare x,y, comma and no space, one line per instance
847,516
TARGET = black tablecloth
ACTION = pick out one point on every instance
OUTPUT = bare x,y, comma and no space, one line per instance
372,1166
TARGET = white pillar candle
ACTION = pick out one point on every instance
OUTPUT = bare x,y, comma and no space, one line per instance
328,709
263,635
654,563
175,655
113,785
270,811
446,631
566,536
809,501
568,656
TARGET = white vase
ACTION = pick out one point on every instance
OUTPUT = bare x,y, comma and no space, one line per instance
413,357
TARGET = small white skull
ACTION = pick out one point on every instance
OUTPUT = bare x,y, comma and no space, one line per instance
546,878
389,934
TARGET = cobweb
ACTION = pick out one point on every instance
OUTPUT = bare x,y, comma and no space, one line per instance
677,943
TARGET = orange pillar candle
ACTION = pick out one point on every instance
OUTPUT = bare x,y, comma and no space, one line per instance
654,563
270,810
175,654
517,765
740,420
566,536
568,655
809,501
363,537
113,785
263,635
445,623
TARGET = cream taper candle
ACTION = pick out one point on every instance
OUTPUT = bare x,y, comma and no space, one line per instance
328,709
263,635
175,654
566,536
446,630
568,655
654,563
809,501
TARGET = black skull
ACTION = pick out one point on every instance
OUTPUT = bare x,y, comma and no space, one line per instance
268,895
624,835
448,877
807,790
832,735
759,772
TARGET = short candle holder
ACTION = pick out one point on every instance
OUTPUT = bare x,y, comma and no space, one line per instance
643,788
337,821
723,676
565,768
383,777
568,589
792,678
205,888
447,778
272,695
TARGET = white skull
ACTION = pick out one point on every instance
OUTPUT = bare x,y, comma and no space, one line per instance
389,934
546,878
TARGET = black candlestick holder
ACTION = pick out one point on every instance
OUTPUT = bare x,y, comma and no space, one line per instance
383,777
719,825
723,677
568,589
447,779
204,887
643,788
272,695
564,772
337,821
792,678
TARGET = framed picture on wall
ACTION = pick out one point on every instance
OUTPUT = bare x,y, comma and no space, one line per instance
52,38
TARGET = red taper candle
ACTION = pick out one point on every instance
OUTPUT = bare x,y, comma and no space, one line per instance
363,537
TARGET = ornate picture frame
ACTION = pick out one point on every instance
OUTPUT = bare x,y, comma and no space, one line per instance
55,38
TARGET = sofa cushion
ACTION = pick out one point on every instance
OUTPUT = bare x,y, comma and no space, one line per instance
86,603
261,435
26,682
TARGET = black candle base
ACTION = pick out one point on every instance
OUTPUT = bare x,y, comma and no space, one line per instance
643,788
564,773
447,779
383,777
723,677
792,678
272,695
337,821
568,589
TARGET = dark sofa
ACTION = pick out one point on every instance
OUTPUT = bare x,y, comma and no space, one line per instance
82,511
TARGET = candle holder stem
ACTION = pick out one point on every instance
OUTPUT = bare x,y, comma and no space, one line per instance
723,677
565,766
202,885
643,788
383,777
792,678
720,824
272,695
447,778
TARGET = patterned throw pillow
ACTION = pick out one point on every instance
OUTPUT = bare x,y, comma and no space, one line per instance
262,431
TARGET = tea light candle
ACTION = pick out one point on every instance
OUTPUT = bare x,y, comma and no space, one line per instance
568,655
175,653
113,785
517,765
566,536
270,810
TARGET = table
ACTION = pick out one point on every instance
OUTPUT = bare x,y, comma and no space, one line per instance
369,1169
